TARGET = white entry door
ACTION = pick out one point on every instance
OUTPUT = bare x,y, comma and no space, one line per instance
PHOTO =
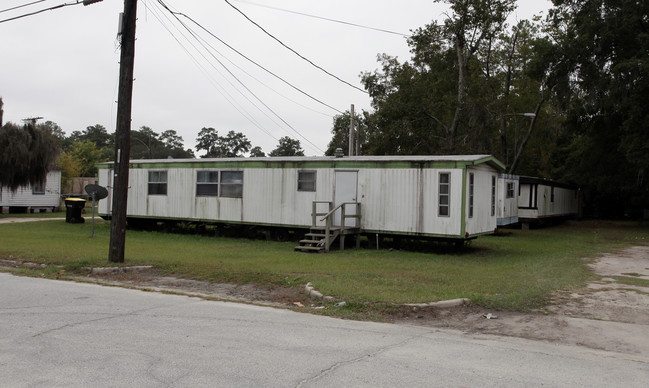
345,191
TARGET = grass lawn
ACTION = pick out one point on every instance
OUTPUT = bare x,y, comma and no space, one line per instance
36,215
517,271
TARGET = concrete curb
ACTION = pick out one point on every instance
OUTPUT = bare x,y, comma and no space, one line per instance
316,294
117,269
442,304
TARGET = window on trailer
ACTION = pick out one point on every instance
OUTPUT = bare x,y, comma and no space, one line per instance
39,187
551,193
471,181
511,188
157,183
306,180
493,195
207,183
232,184
444,194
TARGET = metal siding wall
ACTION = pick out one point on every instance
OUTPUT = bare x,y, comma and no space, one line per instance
564,203
271,196
543,201
23,196
137,203
181,191
390,199
507,207
482,220
267,195
433,223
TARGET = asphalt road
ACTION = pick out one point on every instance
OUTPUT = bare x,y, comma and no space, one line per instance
55,333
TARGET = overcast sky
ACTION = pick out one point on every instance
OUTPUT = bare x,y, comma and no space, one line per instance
62,64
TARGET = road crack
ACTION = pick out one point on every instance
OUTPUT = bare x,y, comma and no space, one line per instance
339,364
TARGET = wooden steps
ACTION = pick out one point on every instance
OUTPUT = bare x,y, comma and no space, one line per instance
316,240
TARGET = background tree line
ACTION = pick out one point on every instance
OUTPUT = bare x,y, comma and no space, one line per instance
29,151
562,98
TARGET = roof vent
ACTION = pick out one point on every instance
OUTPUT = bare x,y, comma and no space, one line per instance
339,153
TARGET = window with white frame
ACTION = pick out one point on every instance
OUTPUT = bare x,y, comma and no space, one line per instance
493,195
471,182
157,183
511,188
444,194
551,193
207,183
306,180
38,188
232,184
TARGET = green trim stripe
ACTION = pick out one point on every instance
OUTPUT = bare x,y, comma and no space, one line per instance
317,162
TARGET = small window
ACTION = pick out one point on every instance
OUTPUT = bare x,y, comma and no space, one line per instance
232,184
471,181
493,195
157,183
39,187
551,193
511,187
306,181
207,183
444,194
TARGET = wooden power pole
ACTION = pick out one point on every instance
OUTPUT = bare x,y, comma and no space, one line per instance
123,133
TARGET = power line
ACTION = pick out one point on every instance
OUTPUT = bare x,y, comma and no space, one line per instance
293,51
315,147
250,60
41,11
324,18
229,98
22,6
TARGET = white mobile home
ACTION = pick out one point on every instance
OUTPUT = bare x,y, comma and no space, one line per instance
540,199
427,196
44,196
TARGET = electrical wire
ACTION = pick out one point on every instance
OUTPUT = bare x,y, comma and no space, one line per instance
324,18
252,61
315,147
293,51
21,6
40,11
229,98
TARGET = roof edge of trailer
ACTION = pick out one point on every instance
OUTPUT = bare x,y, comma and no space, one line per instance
547,182
442,161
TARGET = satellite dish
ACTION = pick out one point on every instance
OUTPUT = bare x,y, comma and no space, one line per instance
96,191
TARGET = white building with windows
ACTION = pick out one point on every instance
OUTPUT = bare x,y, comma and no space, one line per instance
42,197
427,196
543,199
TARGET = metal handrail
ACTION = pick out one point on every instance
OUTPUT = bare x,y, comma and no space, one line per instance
342,205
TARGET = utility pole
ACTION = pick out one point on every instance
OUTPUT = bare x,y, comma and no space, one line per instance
351,132
123,133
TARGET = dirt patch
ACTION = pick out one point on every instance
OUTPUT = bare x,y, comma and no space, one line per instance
608,314
153,280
